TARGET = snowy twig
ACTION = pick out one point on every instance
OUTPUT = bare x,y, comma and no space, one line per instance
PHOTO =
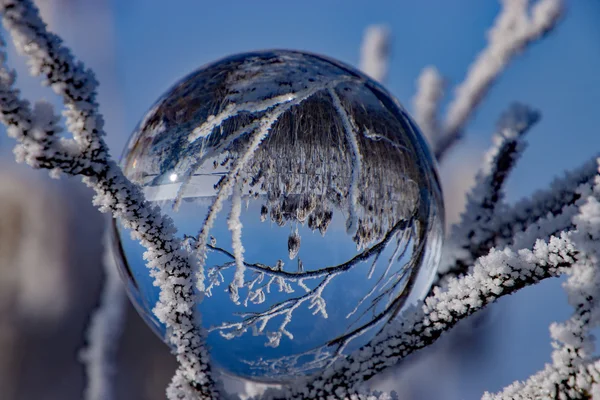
430,89
544,214
481,204
574,369
576,382
235,226
104,332
86,155
500,273
375,52
351,139
563,193
513,31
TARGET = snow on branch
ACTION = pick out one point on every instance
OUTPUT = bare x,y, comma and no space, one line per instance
35,134
577,382
235,226
563,192
500,273
67,77
264,277
546,213
481,204
86,154
104,331
574,368
375,52
351,139
430,90
515,28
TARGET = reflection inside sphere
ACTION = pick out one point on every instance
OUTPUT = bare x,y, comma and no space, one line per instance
307,195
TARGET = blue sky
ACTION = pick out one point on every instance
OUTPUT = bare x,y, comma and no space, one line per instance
153,43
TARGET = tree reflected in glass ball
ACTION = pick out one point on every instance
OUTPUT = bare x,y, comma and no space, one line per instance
308,197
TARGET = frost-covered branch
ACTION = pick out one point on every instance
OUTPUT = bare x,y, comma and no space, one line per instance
574,369
235,226
500,273
67,77
257,321
350,134
483,199
86,155
104,331
375,52
546,213
515,28
563,195
430,90
573,382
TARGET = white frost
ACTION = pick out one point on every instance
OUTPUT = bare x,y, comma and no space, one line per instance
104,332
430,90
375,52
235,226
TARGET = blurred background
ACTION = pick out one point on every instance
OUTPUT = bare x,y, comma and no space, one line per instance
51,236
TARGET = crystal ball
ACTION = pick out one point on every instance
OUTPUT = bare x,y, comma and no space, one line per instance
311,194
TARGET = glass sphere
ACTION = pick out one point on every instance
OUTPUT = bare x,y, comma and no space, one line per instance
312,195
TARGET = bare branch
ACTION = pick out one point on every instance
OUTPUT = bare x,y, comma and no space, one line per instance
324,271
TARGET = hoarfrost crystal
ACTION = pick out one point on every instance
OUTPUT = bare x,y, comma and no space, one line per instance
308,197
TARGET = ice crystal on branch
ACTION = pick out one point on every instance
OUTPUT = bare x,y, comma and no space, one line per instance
500,273
574,369
483,199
